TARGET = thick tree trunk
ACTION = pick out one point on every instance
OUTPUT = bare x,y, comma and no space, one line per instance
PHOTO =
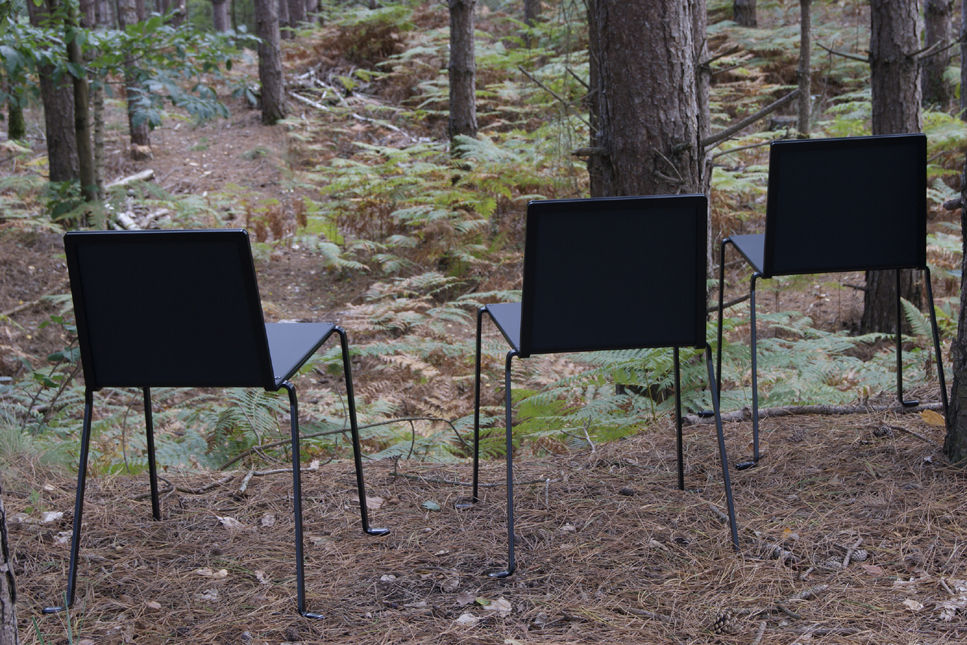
805,81
282,10
16,126
938,29
8,587
82,109
462,70
270,60
895,79
220,18
532,13
955,443
138,129
58,99
743,13
646,112
297,12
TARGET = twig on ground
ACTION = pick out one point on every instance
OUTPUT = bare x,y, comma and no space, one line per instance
745,414
850,550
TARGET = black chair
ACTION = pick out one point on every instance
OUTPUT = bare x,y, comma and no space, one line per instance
182,309
835,205
583,260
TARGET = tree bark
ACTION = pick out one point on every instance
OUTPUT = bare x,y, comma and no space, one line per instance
743,13
645,101
805,81
270,60
895,80
220,19
8,586
462,70
82,109
938,29
282,10
297,12
955,443
963,57
58,99
138,129
532,13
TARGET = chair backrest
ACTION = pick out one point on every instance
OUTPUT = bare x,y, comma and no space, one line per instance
167,308
614,273
857,203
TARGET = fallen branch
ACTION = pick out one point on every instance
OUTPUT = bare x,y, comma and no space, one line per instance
144,175
722,135
745,414
864,59
189,491
453,482
309,102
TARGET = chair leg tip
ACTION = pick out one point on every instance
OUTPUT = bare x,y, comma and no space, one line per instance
310,614
377,531
912,403
52,610
506,573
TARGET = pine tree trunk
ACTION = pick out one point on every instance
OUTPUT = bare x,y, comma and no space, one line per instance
16,126
895,79
955,443
743,13
220,15
138,129
805,81
82,109
282,11
8,587
58,99
462,70
963,57
270,60
645,99
532,13
297,12
938,29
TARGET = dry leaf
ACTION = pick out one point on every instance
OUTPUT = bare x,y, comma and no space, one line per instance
51,516
932,418
261,577
63,537
464,598
501,605
204,571
268,519
230,522
467,620
153,604
912,604
872,569
211,595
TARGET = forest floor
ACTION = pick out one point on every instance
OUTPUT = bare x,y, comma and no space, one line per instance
852,528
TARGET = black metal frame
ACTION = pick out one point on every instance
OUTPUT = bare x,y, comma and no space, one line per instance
760,252
521,339
270,382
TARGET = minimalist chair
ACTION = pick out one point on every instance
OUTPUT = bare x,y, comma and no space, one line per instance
836,205
606,274
182,309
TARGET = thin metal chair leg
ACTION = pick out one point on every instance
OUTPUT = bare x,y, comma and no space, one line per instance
936,344
78,505
300,579
730,502
678,423
354,431
753,333
718,345
511,562
152,465
475,497
899,349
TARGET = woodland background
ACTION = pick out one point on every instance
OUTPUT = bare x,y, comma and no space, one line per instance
372,204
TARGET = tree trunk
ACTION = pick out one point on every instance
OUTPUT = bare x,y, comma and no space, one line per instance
963,57
180,9
282,11
938,28
58,99
82,108
462,70
297,12
805,40
138,128
955,443
270,60
220,18
8,587
743,13
895,79
16,126
532,13
646,104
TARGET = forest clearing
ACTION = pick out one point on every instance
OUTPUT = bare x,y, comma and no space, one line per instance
365,210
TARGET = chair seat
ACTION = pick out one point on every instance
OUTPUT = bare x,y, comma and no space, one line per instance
507,317
291,345
753,247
